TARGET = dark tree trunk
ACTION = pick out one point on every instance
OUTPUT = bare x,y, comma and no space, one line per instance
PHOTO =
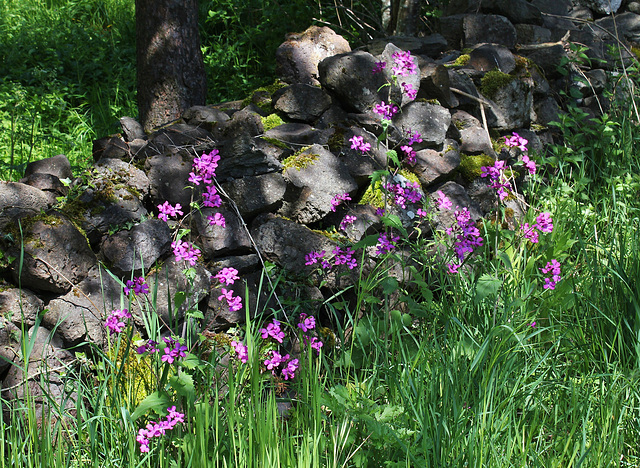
171,75
401,17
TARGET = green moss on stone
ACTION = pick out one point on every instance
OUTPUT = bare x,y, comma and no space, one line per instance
461,61
300,159
470,166
271,121
493,81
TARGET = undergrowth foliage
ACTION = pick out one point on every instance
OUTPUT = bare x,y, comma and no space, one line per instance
488,342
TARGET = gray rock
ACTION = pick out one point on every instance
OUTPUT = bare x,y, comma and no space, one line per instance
545,110
79,316
50,185
634,7
10,338
315,176
56,254
367,222
510,107
208,117
430,46
243,123
257,194
627,25
516,11
298,57
138,248
548,58
473,137
451,29
302,102
435,84
460,199
286,242
122,173
18,200
487,57
394,92
495,29
433,166
20,306
247,156
462,82
58,166
359,165
431,121
132,129
350,78
172,139
110,147
299,134
216,241
532,34
603,7
169,179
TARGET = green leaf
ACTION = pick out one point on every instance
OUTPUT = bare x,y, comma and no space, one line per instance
393,156
179,298
157,402
389,285
183,384
367,241
394,222
487,286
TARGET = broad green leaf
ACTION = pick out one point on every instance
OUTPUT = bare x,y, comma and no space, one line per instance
157,402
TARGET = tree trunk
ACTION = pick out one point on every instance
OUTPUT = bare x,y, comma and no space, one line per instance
401,17
170,67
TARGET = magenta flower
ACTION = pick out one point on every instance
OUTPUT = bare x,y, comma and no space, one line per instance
386,244
272,330
409,91
227,276
530,233
241,350
357,143
379,67
387,111
404,64
347,221
466,233
530,164
205,168
211,197
306,322
316,344
544,222
414,138
516,141
421,213
158,429
335,201
216,220
234,302
344,257
552,267
137,285
185,251
274,362
452,268
173,351
442,202
115,321
313,257
411,154
289,372
166,211
150,347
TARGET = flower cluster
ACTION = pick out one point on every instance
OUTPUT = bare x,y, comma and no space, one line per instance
340,257
148,347
499,180
379,67
137,286
335,201
357,143
410,91
306,324
185,251
204,168
516,141
242,352
403,192
387,111
386,243
347,221
227,277
174,351
552,267
404,64
543,223
157,429
166,211
116,321
442,202
467,237
272,330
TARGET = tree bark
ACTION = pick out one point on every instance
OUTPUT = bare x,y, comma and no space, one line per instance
170,67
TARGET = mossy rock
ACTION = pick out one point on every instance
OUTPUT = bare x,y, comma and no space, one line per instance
493,81
271,121
462,60
374,195
470,165
300,159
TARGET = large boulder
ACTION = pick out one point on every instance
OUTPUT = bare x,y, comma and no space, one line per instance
298,57
56,255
